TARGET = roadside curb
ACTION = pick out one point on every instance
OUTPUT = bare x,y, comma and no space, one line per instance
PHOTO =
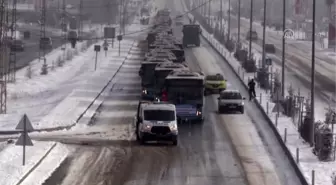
92,117
37,164
297,169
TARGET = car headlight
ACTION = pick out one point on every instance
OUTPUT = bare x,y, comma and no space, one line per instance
198,113
144,91
241,103
173,127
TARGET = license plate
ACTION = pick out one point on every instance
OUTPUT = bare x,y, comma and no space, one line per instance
233,106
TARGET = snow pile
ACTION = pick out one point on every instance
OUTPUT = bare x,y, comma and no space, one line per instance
11,169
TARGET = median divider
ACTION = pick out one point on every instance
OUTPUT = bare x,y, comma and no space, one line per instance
97,103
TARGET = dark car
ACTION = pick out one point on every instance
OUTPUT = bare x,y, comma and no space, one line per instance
17,45
45,43
269,48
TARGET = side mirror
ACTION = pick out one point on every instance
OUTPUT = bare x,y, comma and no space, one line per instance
244,98
140,120
218,98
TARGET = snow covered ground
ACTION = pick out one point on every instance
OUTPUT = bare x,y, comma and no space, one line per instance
77,79
11,169
307,161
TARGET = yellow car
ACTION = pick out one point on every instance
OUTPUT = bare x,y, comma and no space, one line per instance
214,84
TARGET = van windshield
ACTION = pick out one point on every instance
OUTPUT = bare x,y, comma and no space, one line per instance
159,115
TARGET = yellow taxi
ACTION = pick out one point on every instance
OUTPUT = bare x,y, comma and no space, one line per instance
214,84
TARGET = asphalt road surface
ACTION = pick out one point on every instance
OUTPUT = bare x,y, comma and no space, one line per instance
224,150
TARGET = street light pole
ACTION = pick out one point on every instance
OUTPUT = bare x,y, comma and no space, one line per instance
264,38
229,21
283,48
209,11
239,6
221,17
251,21
312,87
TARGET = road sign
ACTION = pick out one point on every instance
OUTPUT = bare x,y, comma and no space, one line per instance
24,120
24,139
97,48
119,37
288,33
268,61
109,32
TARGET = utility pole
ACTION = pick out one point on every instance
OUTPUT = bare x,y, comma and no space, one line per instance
125,17
64,28
251,21
44,69
312,87
283,49
229,21
239,7
264,38
209,11
3,57
221,17
12,54
120,21
80,30
108,10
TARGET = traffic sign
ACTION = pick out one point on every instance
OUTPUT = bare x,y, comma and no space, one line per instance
97,48
109,32
268,61
119,37
24,124
24,139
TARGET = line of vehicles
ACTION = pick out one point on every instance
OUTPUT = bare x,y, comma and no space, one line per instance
172,93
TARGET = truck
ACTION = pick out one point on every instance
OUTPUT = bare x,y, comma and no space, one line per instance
156,121
191,35
185,89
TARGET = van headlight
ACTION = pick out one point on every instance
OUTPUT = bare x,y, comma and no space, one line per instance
173,126
241,103
198,113
146,127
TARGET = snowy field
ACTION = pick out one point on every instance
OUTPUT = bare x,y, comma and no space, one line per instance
307,160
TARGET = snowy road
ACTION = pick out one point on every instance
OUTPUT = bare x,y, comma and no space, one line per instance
226,149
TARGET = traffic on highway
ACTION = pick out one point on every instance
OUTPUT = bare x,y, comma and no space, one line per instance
167,97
